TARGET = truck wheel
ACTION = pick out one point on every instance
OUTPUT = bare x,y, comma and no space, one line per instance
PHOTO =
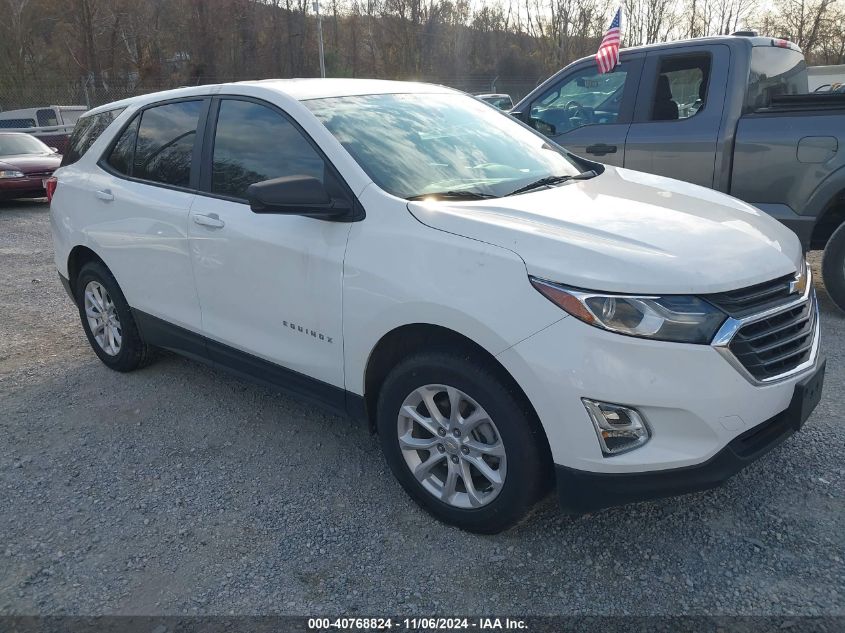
461,443
107,319
833,267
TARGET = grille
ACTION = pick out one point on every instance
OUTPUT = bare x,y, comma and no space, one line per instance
777,344
40,174
753,299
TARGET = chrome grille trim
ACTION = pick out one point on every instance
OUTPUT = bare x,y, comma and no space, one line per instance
726,334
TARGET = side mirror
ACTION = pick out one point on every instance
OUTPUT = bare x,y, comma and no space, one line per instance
55,150
295,195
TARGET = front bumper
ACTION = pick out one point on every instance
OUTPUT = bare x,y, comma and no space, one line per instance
26,187
583,491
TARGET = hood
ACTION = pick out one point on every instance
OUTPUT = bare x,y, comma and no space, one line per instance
626,231
28,163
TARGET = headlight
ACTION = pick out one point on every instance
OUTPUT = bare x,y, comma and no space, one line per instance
678,318
10,173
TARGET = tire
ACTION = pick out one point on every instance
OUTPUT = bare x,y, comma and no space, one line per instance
525,468
132,352
833,267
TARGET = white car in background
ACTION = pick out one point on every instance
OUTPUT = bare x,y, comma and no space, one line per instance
505,315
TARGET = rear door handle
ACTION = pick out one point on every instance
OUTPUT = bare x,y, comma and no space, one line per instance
600,149
105,195
212,220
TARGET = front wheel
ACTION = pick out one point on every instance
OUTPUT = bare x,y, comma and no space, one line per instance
461,442
833,267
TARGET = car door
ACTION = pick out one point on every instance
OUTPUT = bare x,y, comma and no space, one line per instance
589,112
679,113
269,284
141,197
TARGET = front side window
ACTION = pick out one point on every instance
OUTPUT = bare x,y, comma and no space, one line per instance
417,144
587,97
681,87
165,146
254,143
87,130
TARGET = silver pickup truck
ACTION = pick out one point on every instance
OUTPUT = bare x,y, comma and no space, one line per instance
731,113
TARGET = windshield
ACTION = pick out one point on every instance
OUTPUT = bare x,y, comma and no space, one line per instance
21,144
416,144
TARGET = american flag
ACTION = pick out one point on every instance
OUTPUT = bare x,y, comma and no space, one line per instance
608,56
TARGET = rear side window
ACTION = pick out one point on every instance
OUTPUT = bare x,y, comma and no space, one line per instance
165,147
254,143
681,87
88,129
158,145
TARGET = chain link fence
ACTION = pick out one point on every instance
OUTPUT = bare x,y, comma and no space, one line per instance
37,94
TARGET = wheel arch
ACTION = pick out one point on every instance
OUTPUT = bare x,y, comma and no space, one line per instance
408,339
830,219
79,256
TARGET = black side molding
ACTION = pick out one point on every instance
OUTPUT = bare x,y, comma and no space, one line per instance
160,333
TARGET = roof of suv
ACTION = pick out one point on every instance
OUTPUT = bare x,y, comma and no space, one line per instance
299,89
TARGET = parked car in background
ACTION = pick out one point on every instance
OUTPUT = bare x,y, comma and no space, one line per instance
731,113
25,165
51,124
506,315
501,101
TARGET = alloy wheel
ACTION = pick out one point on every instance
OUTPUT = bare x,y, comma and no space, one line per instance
452,446
102,318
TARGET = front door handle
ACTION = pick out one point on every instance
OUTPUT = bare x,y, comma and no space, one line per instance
105,195
600,149
212,220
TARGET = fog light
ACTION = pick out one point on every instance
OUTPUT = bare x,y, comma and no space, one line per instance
619,429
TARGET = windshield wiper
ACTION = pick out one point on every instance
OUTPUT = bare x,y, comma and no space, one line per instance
454,195
554,180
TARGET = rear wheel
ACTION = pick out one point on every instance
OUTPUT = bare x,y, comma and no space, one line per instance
461,442
833,267
107,319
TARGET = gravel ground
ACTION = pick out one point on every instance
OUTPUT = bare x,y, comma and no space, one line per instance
181,490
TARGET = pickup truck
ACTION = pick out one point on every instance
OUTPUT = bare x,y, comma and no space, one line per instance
731,113
51,125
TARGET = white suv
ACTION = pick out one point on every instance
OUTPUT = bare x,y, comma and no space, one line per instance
502,313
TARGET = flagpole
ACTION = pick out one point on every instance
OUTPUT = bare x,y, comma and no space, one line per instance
316,6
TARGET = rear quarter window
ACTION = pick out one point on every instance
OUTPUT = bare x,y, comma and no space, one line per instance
87,130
